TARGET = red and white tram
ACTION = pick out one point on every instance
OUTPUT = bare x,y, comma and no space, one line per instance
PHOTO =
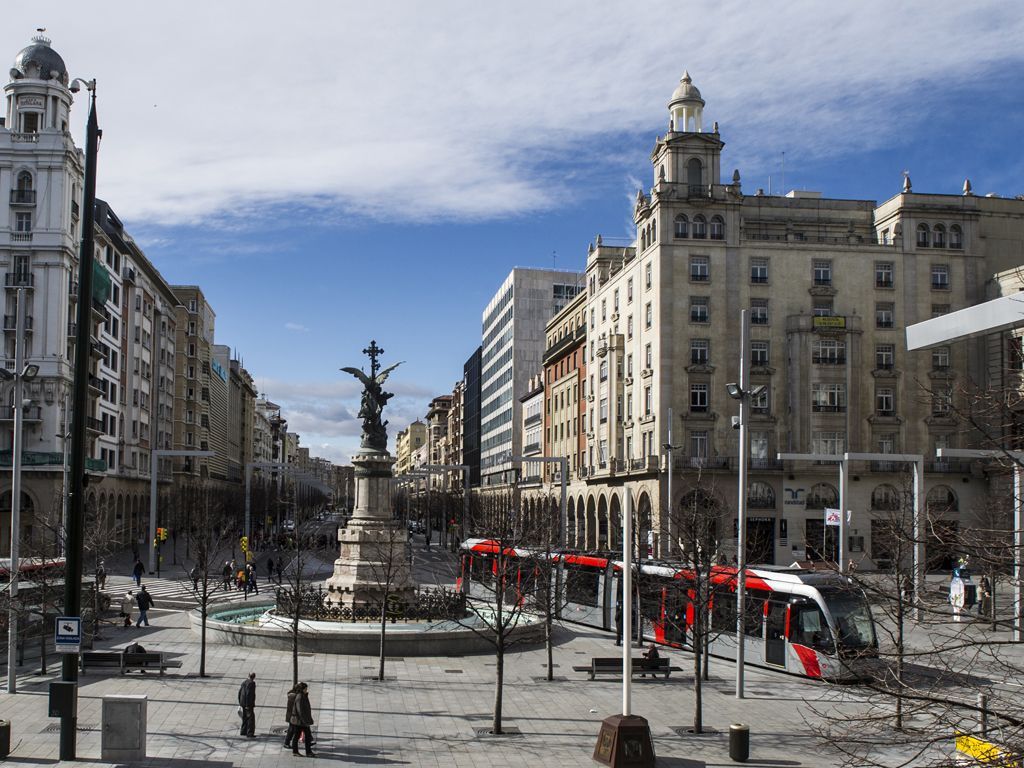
808,623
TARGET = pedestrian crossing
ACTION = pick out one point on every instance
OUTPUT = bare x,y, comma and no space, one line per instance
175,591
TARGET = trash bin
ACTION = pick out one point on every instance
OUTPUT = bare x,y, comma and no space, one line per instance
5,738
739,742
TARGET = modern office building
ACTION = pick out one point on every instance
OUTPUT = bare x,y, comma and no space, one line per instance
471,416
512,352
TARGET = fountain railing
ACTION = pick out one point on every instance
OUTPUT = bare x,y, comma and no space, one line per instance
437,604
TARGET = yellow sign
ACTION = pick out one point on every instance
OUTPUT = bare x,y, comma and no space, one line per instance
248,556
830,322
985,751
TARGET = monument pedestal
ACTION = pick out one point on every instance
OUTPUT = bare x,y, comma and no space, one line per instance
374,547
625,740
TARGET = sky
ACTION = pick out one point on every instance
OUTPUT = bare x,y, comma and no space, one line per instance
334,172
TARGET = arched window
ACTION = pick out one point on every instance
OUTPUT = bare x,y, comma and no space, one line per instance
885,497
760,495
700,227
24,180
24,192
695,175
643,239
939,236
922,236
717,228
821,496
654,231
956,237
942,499
682,226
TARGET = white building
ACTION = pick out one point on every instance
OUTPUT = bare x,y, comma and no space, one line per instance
513,349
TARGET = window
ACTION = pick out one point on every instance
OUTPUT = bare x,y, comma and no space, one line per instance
883,315
647,401
699,309
648,315
938,310
885,356
603,411
828,352
940,277
629,327
759,353
615,301
885,401
699,270
648,277
828,397
717,228
604,370
823,273
940,358
759,311
759,403
700,227
822,308
956,237
941,403
629,290
699,398
883,274
629,365
23,221
593,318
682,226
759,271
939,236
604,310
884,239
699,444
923,236
648,357
699,354
759,446
826,442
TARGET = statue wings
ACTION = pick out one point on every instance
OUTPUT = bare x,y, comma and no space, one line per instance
383,375
366,381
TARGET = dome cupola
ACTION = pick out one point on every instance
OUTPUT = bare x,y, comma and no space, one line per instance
39,61
686,107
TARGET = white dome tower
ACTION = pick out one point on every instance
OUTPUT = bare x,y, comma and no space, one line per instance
686,107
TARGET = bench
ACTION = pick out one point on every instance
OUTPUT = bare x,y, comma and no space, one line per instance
612,665
126,662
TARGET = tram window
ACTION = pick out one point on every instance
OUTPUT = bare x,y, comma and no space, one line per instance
807,627
723,610
753,609
482,569
651,597
581,585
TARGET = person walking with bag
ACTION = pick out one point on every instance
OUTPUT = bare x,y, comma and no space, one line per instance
302,719
127,604
288,711
247,703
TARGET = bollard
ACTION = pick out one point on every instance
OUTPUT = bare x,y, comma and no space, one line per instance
739,742
5,739
983,713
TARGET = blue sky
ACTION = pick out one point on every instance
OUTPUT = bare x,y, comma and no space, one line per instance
334,172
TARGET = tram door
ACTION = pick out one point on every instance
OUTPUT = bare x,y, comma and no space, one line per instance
775,634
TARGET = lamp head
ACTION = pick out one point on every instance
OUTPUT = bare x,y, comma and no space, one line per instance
734,390
30,372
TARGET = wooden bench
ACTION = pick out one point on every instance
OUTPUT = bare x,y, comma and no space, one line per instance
125,662
612,665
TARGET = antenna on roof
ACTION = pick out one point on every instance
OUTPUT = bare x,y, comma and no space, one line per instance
554,258
783,184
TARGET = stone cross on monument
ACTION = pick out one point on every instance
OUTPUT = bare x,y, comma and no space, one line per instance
373,543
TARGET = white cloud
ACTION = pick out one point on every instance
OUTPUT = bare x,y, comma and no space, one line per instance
296,327
451,109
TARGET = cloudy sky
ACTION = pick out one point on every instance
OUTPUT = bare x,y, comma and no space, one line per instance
332,172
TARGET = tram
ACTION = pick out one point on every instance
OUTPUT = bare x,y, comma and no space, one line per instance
33,568
806,623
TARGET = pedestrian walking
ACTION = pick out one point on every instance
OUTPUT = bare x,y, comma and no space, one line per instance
194,575
247,703
270,568
302,719
240,582
985,596
127,604
145,601
101,575
137,570
280,569
288,711
250,579
225,573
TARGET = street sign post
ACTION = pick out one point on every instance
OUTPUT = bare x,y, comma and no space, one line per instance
68,634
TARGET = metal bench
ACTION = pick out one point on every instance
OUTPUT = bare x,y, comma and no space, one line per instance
612,665
125,662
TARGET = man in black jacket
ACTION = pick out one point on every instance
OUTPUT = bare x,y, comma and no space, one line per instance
145,601
247,701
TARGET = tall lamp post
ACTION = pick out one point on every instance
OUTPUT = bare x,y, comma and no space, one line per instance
21,374
670,525
741,391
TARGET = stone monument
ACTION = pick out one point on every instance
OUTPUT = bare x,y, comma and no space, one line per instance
374,547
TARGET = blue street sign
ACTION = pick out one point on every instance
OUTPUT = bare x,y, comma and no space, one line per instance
68,634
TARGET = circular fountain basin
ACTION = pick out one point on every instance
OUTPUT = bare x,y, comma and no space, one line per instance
255,626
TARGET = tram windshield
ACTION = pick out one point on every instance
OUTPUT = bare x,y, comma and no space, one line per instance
851,616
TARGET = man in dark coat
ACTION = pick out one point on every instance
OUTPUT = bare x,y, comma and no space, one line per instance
302,719
247,701
145,601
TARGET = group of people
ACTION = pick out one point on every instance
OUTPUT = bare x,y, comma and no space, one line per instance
242,579
141,600
298,714
963,593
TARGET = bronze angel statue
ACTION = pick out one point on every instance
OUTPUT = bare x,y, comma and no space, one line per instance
375,436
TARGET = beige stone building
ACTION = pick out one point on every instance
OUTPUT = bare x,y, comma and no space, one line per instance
407,443
192,397
829,285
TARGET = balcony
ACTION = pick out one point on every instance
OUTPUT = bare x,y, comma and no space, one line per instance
19,280
765,464
828,408
11,323
94,425
30,413
703,462
23,197
21,237
949,467
96,383
644,464
532,420
761,502
828,359
531,449
73,291
74,209
884,466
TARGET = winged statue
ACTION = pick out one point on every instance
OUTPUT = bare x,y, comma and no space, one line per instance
374,399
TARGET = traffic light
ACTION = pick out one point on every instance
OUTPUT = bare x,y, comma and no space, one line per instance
244,542
161,533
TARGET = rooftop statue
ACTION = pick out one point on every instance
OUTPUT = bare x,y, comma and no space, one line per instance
375,435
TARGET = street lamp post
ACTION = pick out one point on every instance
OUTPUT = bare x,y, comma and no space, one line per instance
22,373
670,524
154,458
1018,520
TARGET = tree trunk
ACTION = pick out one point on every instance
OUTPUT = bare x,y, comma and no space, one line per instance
383,631
899,652
992,599
698,656
547,642
295,640
499,677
